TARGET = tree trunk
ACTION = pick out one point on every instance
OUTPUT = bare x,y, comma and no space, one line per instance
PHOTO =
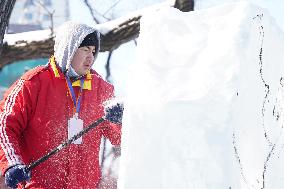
6,7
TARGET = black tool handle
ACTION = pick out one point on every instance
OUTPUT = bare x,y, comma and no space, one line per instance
64,144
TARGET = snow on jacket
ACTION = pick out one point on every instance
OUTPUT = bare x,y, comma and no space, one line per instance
33,120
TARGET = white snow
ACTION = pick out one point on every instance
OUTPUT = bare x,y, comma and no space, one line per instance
39,35
275,7
202,110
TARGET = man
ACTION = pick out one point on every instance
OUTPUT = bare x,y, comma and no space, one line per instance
50,104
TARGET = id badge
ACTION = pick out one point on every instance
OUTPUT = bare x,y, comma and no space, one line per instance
75,125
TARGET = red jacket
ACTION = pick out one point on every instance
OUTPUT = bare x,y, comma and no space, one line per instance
33,120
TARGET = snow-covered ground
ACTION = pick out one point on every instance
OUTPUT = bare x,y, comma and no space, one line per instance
204,101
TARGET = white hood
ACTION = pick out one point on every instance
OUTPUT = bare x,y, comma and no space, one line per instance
68,38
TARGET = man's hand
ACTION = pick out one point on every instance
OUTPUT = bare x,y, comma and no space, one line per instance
16,174
114,112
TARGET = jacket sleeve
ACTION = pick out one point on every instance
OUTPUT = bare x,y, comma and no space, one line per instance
15,111
112,132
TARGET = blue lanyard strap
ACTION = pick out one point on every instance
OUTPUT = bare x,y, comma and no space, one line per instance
76,102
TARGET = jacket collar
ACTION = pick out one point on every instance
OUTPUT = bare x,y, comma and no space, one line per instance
58,74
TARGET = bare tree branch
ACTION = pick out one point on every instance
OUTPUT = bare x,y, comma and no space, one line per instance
111,7
24,51
122,33
91,11
50,14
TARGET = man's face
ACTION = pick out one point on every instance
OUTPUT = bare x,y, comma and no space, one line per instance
83,59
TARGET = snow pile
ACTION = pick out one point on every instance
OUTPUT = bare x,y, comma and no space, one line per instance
204,105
